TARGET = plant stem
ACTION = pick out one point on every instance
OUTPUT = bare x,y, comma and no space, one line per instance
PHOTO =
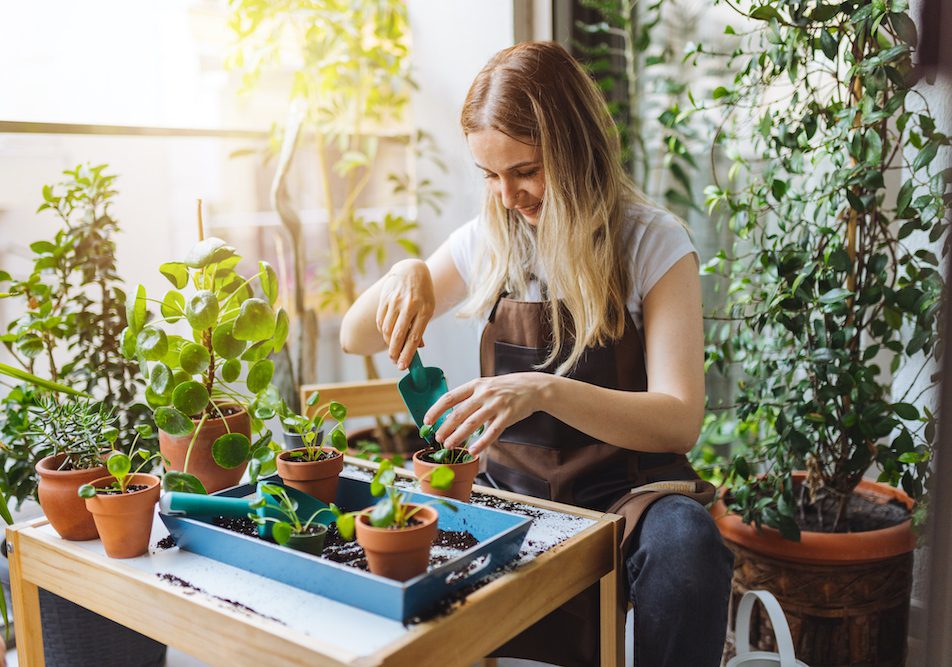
188,452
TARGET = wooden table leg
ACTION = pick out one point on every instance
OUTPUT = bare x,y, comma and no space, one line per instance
613,605
26,609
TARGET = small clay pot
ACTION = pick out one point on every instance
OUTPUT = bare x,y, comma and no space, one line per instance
200,463
317,478
59,499
125,520
295,441
312,543
402,553
462,485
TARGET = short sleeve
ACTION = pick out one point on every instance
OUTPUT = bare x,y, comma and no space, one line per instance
463,247
664,241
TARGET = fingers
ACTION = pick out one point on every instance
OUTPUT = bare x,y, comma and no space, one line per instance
449,400
462,430
489,436
398,337
413,341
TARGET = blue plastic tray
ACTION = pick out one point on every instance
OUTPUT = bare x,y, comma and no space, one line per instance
500,535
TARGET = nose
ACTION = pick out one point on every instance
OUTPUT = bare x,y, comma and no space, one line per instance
509,192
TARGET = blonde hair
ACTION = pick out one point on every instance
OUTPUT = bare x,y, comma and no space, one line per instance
536,93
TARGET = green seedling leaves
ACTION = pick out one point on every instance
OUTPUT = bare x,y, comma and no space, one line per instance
119,466
231,370
442,478
145,431
152,343
281,532
110,434
208,251
281,328
262,463
426,432
256,321
176,272
173,422
173,306
383,513
313,399
190,397
202,310
224,342
174,480
269,282
85,491
337,410
339,439
231,450
345,524
194,358
260,375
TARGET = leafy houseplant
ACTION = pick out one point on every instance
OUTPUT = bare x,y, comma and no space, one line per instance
292,531
123,504
458,460
205,428
395,535
314,468
833,285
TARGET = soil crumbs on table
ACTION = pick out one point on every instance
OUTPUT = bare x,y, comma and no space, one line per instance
166,542
191,589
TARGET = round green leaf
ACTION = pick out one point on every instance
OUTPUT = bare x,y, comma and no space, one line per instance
174,480
230,370
179,376
269,281
135,309
152,343
337,410
231,450
382,515
202,310
145,431
176,272
194,358
171,358
442,478
190,397
157,400
87,491
345,526
339,440
255,321
128,343
173,422
281,328
208,251
258,351
225,344
173,305
118,465
161,379
260,375
281,532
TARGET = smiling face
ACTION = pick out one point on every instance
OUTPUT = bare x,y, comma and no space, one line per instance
513,171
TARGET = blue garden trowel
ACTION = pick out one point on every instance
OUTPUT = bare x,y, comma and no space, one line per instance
420,389
197,504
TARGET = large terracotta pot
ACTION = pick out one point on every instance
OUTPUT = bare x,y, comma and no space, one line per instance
462,485
845,595
125,520
59,499
201,464
317,478
398,554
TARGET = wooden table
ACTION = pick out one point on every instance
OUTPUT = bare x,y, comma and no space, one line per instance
130,593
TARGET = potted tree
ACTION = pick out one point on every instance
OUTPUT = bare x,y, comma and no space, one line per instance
200,409
314,468
833,288
396,535
464,466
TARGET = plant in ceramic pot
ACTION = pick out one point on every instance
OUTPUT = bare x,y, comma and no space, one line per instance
123,504
396,535
838,211
314,468
458,460
201,410
292,531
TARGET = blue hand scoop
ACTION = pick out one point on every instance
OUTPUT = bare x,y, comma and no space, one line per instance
420,389
197,504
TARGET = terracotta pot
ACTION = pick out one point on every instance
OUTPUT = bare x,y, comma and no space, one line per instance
125,520
312,543
845,595
398,554
201,464
58,496
317,478
462,485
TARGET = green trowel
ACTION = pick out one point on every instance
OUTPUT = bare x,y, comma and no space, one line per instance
420,389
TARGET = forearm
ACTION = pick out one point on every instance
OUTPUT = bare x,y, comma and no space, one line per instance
643,421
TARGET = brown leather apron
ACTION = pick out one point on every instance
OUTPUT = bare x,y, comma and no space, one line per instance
544,457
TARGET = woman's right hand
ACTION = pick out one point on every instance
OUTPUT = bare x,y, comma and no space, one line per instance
406,304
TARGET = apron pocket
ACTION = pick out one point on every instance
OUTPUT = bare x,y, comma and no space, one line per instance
510,479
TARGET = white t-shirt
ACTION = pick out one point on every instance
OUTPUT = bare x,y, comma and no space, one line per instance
655,239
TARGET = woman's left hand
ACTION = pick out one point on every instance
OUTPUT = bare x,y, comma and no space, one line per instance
496,402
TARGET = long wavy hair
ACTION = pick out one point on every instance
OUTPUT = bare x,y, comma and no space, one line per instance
536,93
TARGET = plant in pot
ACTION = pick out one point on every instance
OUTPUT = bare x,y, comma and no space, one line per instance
291,531
313,468
427,462
837,210
395,535
123,504
200,409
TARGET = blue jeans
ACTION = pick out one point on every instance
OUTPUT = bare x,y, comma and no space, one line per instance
679,577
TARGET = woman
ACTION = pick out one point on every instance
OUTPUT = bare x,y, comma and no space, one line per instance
592,386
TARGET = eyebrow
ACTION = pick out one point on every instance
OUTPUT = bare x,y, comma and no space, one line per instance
512,167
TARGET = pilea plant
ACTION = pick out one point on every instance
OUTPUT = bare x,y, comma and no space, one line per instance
282,530
834,282
119,466
309,428
232,332
443,454
392,511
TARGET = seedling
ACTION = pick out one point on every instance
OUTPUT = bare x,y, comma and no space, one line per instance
119,465
443,454
392,511
309,427
282,530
